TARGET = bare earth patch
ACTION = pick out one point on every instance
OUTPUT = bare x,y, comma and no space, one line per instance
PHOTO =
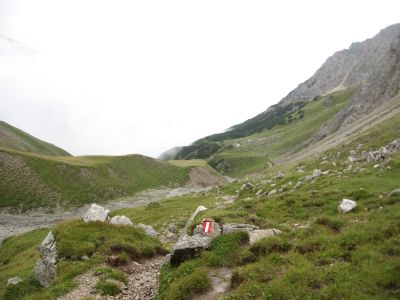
143,282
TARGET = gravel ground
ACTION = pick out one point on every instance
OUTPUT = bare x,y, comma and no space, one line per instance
142,282
13,224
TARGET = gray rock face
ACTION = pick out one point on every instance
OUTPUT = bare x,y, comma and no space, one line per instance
45,270
148,229
346,205
15,280
121,220
189,247
96,213
373,65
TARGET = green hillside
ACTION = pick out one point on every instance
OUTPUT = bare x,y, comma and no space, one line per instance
14,138
30,180
321,254
237,157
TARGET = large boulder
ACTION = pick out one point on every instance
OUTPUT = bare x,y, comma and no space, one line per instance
233,227
346,205
45,270
121,220
96,213
189,247
258,234
148,229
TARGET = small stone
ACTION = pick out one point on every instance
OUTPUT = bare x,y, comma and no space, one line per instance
121,220
14,280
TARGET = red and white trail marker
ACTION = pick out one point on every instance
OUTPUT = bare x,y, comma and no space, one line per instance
207,225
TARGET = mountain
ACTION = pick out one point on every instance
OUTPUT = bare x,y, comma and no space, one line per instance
14,138
351,84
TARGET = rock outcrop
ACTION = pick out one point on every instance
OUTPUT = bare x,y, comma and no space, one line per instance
121,220
96,213
45,270
189,247
373,66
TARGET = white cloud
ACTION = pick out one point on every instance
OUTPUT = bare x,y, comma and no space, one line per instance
117,77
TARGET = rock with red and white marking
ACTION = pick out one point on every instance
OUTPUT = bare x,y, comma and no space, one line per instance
208,227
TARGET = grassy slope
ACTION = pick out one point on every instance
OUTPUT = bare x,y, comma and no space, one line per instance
256,150
14,138
339,256
19,254
29,180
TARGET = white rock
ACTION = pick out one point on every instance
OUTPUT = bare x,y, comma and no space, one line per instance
148,229
15,280
259,234
96,213
346,205
316,173
121,220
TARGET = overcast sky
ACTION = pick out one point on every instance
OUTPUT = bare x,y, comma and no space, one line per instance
120,77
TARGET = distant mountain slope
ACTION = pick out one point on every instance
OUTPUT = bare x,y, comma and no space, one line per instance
31,180
14,138
370,70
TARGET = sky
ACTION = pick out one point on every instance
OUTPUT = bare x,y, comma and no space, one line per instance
120,77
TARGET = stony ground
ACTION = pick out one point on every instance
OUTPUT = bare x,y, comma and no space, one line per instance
13,224
142,282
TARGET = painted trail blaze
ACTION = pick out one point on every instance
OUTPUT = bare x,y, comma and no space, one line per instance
207,225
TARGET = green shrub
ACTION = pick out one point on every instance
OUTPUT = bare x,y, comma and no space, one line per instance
270,245
226,250
152,205
331,222
188,286
20,290
107,288
393,198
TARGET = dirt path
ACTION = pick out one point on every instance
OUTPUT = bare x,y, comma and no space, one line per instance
142,282
11,224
